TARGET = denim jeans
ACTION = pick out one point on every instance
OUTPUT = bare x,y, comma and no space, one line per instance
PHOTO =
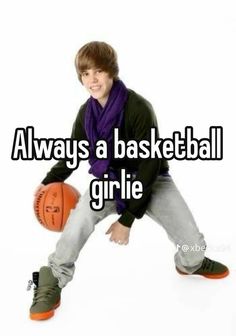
166,207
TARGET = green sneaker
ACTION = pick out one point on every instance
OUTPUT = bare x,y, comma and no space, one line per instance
47,294
210,269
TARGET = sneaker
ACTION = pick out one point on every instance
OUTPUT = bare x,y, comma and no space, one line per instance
47,294
210,269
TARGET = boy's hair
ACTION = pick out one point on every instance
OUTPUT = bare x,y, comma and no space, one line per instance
98,55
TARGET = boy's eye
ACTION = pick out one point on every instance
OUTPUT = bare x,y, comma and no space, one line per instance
84,74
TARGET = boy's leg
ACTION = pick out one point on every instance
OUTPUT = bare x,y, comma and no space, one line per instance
168,208
78,228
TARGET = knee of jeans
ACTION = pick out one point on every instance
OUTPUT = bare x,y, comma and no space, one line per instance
76,234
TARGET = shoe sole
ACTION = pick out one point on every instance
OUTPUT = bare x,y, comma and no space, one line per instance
209,276
44,315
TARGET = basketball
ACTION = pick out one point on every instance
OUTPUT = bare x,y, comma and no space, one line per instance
53,203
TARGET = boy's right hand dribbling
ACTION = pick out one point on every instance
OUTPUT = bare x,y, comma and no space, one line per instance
37,190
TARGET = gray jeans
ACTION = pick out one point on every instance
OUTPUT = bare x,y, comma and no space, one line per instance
166,207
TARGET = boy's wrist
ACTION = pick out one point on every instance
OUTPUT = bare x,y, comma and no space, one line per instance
127,218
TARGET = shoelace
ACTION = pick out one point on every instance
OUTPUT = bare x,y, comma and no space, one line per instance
208,264
42,293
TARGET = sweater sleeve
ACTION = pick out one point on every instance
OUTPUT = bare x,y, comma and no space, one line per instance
142,120
60,172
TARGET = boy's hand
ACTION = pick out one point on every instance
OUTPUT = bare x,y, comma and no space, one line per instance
119,233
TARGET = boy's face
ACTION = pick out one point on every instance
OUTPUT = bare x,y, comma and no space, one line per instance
98,83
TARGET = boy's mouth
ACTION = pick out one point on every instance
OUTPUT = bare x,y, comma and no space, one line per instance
95,88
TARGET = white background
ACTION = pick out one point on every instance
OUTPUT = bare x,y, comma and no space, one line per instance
180,55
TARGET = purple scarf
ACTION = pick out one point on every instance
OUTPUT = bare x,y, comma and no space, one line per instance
99,125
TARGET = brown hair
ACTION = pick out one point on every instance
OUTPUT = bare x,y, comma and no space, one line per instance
97,55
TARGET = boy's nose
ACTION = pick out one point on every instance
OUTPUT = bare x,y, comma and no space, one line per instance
94,79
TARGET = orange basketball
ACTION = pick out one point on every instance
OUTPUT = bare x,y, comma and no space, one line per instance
53,204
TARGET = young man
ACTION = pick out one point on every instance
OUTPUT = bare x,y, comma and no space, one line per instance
112,105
